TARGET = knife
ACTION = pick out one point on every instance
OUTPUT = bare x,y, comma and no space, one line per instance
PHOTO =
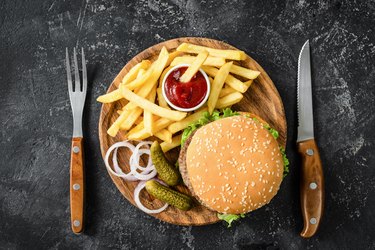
312,180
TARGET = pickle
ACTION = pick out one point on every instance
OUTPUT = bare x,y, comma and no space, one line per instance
166,171
170,196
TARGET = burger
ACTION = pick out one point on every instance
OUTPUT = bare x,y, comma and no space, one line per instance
232,163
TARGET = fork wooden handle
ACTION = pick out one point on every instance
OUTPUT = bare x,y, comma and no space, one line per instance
77,185
312,187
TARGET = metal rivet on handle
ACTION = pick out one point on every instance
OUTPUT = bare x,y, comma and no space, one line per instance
76,186
313,185
313,221
76,223
76,149
309,151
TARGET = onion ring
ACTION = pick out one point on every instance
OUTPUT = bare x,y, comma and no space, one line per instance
146,173
119,170
121,174
137,200
134,159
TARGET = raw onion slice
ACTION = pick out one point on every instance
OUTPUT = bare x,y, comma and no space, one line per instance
145,177
148,172
138,149
144,173
134,160
119,170
129,176
137,200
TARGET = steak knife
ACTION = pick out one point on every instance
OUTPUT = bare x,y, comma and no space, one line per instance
312,180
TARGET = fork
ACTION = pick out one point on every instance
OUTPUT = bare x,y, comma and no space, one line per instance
77,96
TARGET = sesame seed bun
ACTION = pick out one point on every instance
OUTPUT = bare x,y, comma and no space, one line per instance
232,165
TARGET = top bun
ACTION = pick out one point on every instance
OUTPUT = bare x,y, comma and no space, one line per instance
233,165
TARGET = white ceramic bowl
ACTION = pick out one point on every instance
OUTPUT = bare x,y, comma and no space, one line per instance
186,109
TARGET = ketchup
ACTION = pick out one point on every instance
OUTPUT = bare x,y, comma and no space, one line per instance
185,94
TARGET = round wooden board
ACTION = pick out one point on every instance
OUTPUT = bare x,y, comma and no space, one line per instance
261,99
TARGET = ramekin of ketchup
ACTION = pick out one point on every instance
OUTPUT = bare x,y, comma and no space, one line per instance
185,96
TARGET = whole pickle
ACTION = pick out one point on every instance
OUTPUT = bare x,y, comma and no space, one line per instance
166,171
168,195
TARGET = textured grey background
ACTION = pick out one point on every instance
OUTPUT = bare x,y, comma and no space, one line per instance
36,120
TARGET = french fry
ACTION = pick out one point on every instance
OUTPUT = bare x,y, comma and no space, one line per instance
139,120
176,141
126,119
194,67
163,75
134,114
160,64
147,116
133,72
141,72
248,83
180,125
145,90
210,61
158,69
228,54
226,91
217,85
115,127
172,56
110,97
230,80
244,72
211,81
136,129
151,107
130,76
164,135
229,100
161,123
130,106
162,102
138,82
139,133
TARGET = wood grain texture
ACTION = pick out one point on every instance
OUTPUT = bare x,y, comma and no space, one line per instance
312,187
261,99
77,185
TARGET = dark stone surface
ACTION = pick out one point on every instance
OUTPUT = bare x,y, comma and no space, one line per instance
36,119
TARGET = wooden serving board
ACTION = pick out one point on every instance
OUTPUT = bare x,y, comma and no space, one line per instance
261,99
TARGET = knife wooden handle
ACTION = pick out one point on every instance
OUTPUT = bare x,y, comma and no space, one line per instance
77,185
312,187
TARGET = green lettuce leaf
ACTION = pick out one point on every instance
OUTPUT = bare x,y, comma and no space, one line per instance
230,218
286,161
228,113
275,135
206,118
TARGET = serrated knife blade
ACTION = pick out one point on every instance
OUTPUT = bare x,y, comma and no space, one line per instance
312,179
304,95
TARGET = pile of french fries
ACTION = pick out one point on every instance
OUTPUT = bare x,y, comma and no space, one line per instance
147,113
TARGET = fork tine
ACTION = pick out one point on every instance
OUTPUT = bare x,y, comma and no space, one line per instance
68,73
84,73
77,81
